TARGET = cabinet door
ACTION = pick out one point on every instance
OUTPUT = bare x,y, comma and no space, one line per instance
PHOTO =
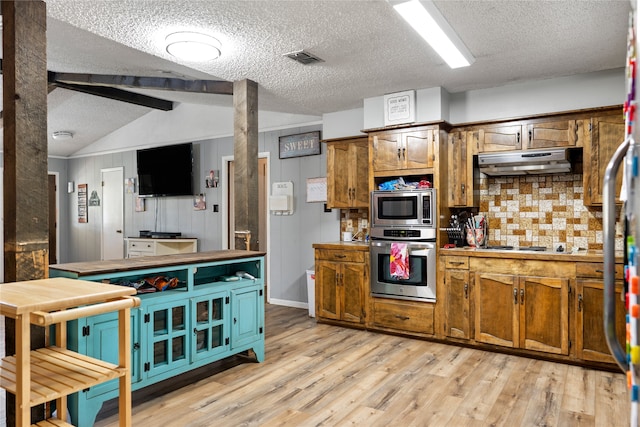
353,278
167,337
327,300
359,167
591,343
560,133
460,174
457,303
246,322
544,314
338,171
418,149
496,309
210,320
607,133
102,343
386,151
499,138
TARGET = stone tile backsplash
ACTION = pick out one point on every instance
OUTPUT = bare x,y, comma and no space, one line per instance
545,210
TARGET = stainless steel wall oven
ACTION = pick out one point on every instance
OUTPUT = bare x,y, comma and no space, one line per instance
403,244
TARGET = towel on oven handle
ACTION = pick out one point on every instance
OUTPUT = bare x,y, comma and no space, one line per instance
399,261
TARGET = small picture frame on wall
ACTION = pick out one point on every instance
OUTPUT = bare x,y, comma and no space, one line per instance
140,207
82,204
400,108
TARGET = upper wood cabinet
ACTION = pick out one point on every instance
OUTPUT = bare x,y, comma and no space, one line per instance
606,133
400,150
554,133
348,173
504,137
462,178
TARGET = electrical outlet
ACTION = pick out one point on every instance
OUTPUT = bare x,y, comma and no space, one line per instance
216,208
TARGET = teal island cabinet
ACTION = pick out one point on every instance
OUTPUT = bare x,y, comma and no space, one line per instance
212,308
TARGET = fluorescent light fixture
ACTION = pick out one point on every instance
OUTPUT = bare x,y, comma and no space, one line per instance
427,20
190,46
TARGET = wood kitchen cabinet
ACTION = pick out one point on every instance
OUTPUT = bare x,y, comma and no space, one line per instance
462,178
606,133
554,133
342,276
591,343
500,137
402,316
522,312
395,151
457,285
348,173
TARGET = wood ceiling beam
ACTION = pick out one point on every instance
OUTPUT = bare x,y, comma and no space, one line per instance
119,95
216,87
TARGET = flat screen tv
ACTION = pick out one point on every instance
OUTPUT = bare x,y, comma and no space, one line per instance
165,171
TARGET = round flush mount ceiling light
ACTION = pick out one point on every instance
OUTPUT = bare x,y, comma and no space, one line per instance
190,46
62,135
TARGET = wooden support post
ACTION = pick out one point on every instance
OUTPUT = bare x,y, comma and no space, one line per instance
245,153
24,69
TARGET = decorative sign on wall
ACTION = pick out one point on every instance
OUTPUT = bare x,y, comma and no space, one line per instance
400,108
94,200
299,145
82,203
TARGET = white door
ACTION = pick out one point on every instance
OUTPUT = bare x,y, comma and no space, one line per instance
112,213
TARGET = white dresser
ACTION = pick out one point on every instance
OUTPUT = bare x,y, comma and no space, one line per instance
137,246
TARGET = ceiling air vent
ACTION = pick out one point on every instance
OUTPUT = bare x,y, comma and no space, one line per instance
303,57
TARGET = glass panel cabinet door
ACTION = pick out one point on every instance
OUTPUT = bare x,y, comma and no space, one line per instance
168,335
210,334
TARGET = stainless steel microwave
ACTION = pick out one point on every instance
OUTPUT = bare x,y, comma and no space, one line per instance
404,210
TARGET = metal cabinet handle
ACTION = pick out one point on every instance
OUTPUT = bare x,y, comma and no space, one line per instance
462,188
398,154
579,302
402,317
530,136
339,256
404,156
515,296
466,291
521,296
518,138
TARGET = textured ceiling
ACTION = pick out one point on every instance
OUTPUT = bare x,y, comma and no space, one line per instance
368,50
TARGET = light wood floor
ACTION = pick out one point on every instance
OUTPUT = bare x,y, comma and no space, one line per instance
326,375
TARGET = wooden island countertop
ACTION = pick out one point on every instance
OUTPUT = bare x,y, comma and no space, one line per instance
140,263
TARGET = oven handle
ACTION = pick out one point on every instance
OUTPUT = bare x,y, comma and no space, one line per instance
412,247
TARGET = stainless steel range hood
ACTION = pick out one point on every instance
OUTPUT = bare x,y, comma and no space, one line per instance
527,162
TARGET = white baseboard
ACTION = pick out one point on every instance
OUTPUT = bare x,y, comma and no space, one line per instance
287,303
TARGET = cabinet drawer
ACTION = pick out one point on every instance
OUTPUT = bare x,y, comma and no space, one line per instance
459,262
403,316
341,255
145,248
596,270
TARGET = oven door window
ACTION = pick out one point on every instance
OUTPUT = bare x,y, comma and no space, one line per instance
402,208
417,271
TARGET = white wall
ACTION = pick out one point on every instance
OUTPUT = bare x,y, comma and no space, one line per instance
576,92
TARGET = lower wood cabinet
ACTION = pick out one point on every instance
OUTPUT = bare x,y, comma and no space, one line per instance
342,282
552,307
522,312
403,316
591,343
